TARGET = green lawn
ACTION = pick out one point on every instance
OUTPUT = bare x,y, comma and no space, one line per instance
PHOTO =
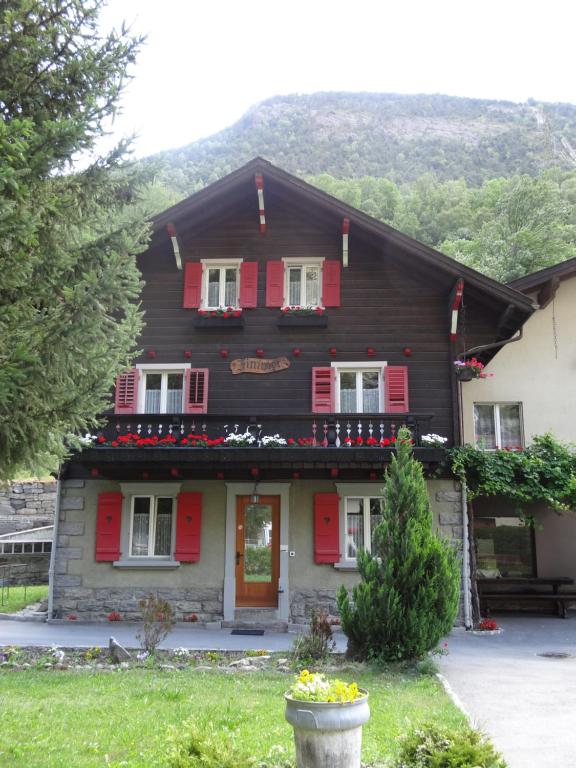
77,718
14,600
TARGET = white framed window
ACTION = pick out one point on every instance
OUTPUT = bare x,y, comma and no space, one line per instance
161,388
221,283
151,526
361,516
498,425
359,388
303,282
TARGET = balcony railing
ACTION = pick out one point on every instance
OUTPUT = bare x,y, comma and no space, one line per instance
330,431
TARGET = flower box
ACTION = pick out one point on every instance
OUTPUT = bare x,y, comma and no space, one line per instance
288,320
219,323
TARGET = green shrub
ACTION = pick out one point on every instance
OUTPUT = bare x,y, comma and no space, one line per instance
317,643
410,584
433,747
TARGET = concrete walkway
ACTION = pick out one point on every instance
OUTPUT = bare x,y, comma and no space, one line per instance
80,635
524,702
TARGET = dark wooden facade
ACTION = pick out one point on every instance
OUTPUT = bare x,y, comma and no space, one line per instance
395,297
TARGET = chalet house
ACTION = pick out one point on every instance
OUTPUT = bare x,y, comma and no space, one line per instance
242,467
530,393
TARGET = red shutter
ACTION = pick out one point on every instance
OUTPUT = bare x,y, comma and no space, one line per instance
396,389
322,390
249,284
331,283
192,285
188,526
108,523
196,390
326,528
126,399
275,284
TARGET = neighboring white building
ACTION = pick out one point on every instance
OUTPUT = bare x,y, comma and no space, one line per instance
532,391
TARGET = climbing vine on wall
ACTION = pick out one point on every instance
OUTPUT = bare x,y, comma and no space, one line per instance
543,472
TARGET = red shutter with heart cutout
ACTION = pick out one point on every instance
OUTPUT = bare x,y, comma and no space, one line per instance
192,285
326,528
275,284
331,271
108,525
188,527
249,284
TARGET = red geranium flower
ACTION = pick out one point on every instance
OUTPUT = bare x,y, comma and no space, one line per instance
114,443
385,441
236,313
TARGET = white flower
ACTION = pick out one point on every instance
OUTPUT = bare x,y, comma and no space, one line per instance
181,653
235,439
57,653
88,439
273,441
433,439
142,656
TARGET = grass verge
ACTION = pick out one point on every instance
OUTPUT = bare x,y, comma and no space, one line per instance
14,599
80,718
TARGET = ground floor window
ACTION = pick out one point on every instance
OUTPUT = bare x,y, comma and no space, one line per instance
362,513
151,526
504,547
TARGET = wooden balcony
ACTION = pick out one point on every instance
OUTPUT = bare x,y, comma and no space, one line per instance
314,444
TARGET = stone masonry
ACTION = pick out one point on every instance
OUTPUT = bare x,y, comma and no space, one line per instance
28,504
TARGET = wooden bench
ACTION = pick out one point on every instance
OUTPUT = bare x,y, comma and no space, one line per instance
560,600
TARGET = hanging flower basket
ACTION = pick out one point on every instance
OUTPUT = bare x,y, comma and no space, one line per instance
466,370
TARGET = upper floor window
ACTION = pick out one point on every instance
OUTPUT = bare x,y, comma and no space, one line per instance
303,284
497,425
221,284
358,391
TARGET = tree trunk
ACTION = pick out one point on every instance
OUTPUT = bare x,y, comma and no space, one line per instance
474,595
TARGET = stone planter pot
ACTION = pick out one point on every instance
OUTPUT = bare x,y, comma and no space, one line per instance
327,734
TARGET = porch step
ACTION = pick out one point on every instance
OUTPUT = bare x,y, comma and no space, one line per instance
256,618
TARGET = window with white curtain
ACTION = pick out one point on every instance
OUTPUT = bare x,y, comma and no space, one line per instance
151,526
362,514
302,282
221,284
359,390
498,425
163,391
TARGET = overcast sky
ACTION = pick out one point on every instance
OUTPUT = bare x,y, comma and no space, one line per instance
205,63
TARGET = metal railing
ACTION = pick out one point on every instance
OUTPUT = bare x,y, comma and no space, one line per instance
332,430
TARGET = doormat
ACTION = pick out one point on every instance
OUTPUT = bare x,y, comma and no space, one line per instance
247,632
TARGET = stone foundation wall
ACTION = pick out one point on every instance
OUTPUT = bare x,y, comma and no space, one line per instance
94,604
304,601
27,505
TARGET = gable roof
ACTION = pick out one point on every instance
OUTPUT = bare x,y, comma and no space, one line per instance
199,204
561,271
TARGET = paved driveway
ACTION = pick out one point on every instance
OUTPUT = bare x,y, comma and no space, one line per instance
526,703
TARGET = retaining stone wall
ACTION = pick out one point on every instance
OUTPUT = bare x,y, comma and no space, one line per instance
26,505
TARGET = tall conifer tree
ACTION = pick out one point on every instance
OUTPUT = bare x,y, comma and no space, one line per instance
69,284
408,595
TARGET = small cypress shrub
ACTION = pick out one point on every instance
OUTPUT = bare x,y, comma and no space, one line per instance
410,584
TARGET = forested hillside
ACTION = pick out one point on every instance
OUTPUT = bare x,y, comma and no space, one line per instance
491,183
349,135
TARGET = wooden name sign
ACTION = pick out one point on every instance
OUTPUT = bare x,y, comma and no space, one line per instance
257,365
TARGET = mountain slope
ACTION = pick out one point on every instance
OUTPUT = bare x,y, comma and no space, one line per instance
371,134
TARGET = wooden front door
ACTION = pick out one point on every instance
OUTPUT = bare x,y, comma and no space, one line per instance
257,551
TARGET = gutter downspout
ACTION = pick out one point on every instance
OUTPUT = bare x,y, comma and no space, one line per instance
52,569
494,345
466,560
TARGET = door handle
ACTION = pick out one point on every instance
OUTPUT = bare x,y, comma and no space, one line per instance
238,556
